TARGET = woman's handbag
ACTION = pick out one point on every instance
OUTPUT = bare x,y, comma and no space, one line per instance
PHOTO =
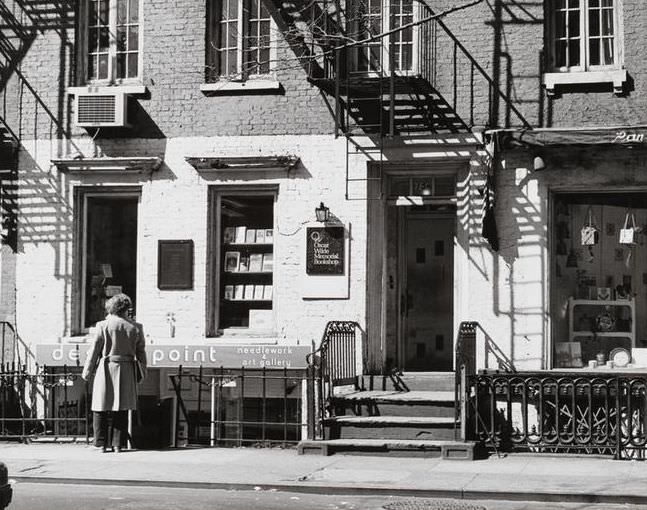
628,231
139,371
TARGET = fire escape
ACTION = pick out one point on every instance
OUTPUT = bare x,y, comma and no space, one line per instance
396,77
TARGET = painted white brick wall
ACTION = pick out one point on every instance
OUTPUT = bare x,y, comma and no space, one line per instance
174,205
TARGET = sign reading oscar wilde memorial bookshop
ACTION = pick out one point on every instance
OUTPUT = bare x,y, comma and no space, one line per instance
325,251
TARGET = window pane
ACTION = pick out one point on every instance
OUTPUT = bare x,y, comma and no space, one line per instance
121,39
574,4
594,50
607,22
121,65
93,39
232,64
560,24
560,54
607,51
121,12
92,13
574,53
133,38
103,67
607,3
573,24
104,39
92,66
133,65
594,3
594,23
104,12
133,11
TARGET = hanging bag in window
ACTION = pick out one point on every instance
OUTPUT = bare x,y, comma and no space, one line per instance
589,234
628,231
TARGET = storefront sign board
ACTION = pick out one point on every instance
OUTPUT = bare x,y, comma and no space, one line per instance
326,263
163,356
325,250
175,264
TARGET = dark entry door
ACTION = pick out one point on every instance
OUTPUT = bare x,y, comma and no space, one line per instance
428,292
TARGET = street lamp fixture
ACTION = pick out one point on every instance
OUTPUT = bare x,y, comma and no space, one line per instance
322,213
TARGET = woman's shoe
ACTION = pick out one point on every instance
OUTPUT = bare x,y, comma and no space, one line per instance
117,449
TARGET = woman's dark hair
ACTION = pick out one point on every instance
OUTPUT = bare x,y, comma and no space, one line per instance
119,305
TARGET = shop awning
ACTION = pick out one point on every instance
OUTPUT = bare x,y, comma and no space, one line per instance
629,136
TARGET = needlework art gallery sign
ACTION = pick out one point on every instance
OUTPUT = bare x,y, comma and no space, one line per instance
160,356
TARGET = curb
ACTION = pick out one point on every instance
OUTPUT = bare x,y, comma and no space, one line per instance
340,490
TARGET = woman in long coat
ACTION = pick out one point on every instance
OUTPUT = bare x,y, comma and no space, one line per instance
117,359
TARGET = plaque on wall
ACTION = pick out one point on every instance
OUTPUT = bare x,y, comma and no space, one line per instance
325,251
175,264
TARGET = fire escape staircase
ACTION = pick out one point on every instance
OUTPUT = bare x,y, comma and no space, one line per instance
383,110
20,23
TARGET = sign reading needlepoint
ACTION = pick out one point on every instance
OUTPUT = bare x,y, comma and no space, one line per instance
325,250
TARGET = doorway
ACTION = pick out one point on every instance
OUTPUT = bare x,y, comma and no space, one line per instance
426,275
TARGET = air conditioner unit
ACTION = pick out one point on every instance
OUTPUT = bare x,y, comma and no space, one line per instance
102,109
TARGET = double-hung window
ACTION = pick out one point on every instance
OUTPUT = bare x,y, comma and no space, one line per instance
239,40
370,18
112,40
585,35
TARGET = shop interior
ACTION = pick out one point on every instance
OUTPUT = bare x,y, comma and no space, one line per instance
599,280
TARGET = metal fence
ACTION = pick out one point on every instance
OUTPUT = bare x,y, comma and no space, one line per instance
47,403
548,412
225,407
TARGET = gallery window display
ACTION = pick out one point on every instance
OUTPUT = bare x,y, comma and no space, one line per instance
599,279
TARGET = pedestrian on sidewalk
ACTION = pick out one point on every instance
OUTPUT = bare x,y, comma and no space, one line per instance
117,360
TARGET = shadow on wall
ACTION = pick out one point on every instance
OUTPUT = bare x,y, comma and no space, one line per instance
516,272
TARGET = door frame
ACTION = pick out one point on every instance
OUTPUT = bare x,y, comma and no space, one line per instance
81,196
377,278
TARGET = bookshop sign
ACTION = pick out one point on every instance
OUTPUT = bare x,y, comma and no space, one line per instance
325,251
164,356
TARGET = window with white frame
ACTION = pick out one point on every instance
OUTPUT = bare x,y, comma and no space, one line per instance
370,18
585,35
239,41
112,40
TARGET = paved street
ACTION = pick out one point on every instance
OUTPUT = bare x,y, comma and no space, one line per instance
38,496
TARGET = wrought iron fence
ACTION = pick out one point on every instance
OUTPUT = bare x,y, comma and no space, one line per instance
47,403
548,412
225,407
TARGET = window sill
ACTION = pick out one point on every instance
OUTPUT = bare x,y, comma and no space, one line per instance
616,76
108,89
226,86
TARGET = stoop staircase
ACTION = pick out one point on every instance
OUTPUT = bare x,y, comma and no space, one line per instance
413,414
406,415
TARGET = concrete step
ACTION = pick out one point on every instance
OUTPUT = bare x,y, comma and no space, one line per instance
396,403
426,381
390,427
451,450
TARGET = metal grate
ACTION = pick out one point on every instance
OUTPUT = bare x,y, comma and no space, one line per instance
432,504
96,109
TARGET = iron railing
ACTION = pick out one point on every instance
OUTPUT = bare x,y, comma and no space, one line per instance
601,413
48,403
236,407
334,364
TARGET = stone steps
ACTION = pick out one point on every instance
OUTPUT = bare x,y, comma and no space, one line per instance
451,450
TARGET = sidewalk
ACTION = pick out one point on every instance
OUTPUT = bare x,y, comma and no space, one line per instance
517,477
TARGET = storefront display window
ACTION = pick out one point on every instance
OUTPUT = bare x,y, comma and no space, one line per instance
245,237
109,251
599,278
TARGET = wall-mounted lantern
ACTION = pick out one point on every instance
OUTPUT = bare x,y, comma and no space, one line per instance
322,213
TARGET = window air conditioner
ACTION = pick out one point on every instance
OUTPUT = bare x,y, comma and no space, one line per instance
102,109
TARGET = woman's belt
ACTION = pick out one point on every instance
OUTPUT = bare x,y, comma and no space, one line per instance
120,358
